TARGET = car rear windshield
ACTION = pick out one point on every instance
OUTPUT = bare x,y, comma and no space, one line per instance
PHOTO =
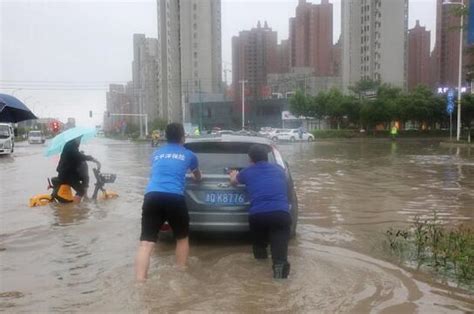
35,133
219,158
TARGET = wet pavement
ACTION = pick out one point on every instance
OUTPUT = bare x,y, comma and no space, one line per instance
79,258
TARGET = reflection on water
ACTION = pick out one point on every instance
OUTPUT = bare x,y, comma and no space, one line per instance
80,257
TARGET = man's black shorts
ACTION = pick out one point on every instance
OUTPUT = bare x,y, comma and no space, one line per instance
160,207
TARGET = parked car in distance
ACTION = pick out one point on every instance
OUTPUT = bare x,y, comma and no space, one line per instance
215,205
293,135
247,133
274,133
36,137
7,138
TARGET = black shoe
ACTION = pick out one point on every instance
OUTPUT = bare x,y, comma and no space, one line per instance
281,270
260,252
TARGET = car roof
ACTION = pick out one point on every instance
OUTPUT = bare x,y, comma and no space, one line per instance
228,138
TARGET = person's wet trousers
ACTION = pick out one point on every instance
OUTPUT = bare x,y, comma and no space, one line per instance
274,228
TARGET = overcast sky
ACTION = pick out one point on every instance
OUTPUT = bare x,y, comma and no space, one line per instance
59,56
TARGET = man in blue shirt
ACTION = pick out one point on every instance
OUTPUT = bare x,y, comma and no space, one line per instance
164,199
269,216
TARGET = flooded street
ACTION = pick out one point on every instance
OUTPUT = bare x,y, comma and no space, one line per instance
80,258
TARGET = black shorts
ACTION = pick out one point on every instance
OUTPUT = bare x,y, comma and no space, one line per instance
160,207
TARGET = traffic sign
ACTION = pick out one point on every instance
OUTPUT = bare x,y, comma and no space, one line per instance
450,101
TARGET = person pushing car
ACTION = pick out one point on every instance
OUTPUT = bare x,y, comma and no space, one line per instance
269,216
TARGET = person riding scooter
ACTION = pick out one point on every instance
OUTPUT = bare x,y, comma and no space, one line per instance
73,171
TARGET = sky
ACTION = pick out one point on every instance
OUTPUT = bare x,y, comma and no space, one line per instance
59,56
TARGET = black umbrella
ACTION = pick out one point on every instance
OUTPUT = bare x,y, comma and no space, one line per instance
12,110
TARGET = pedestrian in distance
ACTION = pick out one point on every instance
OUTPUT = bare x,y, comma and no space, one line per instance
394,132
269,216
164,199
300,132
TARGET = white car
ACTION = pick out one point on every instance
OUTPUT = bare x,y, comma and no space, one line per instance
293,135
36,137
273,135
7,139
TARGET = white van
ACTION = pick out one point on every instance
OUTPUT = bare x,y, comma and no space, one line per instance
36,137
7,138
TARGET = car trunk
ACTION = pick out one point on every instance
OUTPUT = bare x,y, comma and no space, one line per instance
214,193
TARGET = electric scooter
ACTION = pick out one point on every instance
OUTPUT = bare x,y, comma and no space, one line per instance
62,193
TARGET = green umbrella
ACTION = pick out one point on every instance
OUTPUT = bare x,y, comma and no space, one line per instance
58,142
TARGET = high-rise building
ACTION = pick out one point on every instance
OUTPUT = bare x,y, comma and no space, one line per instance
445,56
419,56
374,41
145,73
169,63
119,100
311,38
201,59
254,55
283,51
337,58
189,35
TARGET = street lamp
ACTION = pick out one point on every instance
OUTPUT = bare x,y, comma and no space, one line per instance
461,38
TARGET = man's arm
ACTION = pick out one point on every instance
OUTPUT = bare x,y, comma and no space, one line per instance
197,175
85,157
233,177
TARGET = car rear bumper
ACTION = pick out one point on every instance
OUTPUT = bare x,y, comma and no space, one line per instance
218,222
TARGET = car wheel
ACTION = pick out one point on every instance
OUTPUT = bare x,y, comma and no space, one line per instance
310,139
275,139
292,139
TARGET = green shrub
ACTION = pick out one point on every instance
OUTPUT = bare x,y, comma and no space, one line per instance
446,250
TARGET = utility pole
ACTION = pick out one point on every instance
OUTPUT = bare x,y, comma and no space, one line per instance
243,102
461,38
225,78
200,107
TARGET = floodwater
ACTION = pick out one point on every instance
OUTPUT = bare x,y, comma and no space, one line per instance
79,258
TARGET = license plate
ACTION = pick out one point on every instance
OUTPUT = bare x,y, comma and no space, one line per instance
225,198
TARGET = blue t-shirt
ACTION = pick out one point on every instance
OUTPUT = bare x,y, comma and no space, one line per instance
169,166
267,187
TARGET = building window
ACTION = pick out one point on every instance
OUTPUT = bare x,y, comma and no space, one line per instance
195,54
194,6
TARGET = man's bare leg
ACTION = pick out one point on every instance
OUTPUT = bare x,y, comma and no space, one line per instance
182,251
142,260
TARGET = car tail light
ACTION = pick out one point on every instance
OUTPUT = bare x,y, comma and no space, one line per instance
165,227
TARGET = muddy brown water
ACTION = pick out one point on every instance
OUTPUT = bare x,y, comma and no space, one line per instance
79,258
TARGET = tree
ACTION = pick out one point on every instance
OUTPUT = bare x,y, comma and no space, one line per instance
300,104
364,86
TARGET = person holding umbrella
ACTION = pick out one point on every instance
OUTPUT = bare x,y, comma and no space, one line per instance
72,169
